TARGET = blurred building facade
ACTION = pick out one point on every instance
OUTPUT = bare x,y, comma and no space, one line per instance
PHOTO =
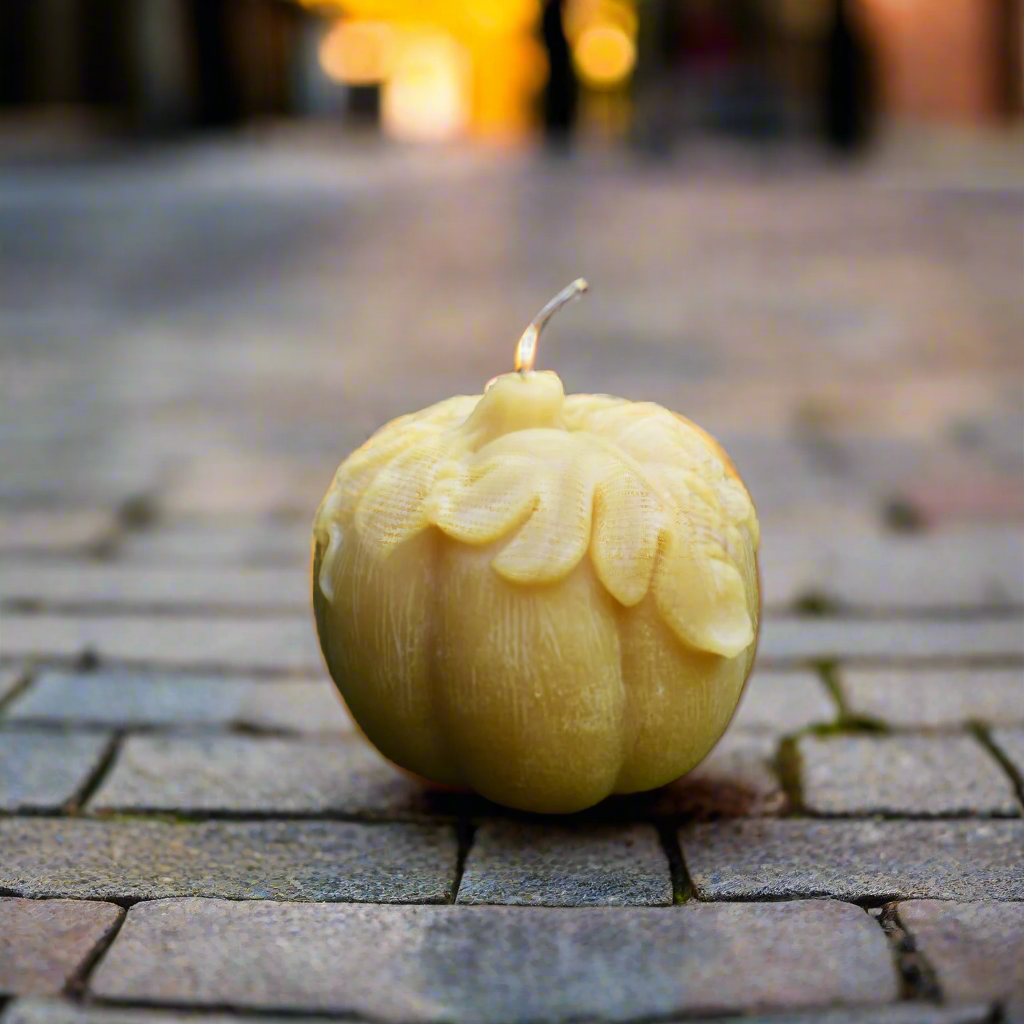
956,60
149,65
651,70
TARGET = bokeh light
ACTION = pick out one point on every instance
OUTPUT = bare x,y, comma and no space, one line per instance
468,66
503,16
357,52
604,55
582,14
427,95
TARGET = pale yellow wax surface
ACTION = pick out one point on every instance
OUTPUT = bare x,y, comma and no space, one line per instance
548,599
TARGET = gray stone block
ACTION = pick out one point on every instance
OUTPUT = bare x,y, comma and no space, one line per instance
37,1010
481,964
913,775
242,543
855,860
133,698
946,569
976,949
935,697
246,481
299,860
42,769
737,779
264,775
798,639
54,531
895,1013
1010,743
784,702
567,865
58,584
281,644
43,944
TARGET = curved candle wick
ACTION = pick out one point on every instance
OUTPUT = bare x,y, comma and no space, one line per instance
526,350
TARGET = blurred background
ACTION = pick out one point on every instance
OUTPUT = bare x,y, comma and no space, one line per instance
238,235
645,72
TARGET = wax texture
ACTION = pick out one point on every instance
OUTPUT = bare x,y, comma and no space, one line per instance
546,598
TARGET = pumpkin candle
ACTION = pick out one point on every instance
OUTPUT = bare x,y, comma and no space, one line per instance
548,598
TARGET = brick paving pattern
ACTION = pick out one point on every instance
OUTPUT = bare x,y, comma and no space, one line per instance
189,823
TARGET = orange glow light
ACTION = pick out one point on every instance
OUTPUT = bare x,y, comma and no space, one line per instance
604,55
427,96
357,52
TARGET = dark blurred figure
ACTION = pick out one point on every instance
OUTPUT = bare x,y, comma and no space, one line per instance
654,129
757,100
218,100
849,83
104,62
562,91
1009,40
14,60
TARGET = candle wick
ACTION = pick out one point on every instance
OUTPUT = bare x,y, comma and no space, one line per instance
526,350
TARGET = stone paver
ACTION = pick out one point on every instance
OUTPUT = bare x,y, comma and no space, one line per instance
53,531
281,644
139,587
954,569
737,779
1010,743
298,860
220,543
896,1013
43,944
467,963
263,775
541,864
855,860
796,639
911,775
246,481
42,769
975,949
784,702
133,698
934,697
36,1010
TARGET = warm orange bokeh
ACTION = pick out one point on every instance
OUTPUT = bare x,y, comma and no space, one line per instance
476,67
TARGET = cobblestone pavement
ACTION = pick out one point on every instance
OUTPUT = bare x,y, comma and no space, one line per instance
191,342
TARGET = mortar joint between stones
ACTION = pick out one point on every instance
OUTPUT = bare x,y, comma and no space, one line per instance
918,980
